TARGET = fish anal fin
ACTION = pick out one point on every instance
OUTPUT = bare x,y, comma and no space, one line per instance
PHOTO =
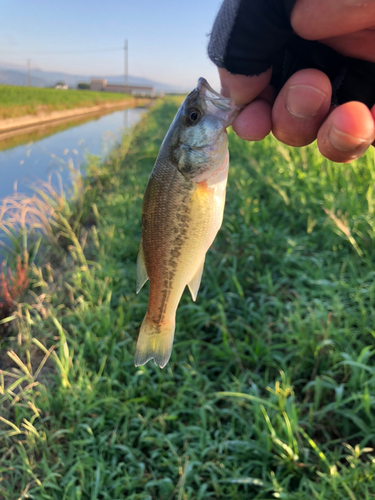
196,281
154,342
142,275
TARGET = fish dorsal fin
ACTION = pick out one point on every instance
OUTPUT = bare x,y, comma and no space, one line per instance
142,275
196,281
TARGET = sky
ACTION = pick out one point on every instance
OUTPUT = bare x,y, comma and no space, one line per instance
167,38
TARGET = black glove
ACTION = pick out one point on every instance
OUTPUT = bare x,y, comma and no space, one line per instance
250,36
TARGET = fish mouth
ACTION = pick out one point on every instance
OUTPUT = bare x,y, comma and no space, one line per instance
219,101
227,110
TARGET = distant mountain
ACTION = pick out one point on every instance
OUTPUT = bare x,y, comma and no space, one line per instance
13,74
13,77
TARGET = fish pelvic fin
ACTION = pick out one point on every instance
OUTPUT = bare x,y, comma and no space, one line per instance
142,275
195,282
154,342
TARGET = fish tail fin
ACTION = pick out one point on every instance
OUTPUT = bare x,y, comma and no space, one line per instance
154,342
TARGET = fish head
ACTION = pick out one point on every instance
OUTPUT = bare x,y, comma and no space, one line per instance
198,142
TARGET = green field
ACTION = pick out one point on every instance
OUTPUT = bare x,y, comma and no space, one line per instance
270,390
19,101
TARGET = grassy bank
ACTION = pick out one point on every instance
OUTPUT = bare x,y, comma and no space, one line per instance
19,101
271,386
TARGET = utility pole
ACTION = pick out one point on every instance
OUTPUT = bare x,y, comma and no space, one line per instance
126,66
28,73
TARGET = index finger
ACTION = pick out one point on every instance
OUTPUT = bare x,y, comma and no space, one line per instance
243,89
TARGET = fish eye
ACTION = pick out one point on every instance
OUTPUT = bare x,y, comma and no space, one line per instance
193,116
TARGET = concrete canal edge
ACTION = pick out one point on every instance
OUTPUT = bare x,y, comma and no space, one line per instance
13,126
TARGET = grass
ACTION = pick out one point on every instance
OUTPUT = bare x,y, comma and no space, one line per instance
19,101
270,390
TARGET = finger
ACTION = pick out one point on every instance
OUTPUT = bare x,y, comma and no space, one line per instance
243,89
301,107
360,44
269,94
347,132
317,19
254,122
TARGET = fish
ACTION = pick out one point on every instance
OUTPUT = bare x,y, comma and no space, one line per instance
182,212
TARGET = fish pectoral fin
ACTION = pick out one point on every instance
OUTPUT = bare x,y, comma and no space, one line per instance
196,281
142,275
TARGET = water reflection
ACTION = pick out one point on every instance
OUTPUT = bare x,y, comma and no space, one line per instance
27,157
43,131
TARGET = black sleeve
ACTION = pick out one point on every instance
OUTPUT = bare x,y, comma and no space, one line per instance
249,36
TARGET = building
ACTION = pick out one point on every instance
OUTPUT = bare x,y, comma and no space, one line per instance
102,85
97,84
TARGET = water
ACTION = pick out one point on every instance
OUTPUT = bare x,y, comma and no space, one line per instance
36,158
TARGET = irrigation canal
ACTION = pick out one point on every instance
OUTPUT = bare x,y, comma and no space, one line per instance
28,157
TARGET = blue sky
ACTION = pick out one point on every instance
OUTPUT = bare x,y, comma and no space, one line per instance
167,39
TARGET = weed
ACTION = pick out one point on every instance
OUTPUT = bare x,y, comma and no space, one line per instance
11,289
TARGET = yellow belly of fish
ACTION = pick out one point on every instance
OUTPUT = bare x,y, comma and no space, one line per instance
206,213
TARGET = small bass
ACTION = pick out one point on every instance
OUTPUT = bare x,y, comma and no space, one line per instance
181,214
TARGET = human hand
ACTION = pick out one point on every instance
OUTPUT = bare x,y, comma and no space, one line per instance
302,110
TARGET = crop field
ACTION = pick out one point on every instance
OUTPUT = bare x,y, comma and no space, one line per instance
270,390
19,101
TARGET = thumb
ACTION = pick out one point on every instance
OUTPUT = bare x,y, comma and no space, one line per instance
243,89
